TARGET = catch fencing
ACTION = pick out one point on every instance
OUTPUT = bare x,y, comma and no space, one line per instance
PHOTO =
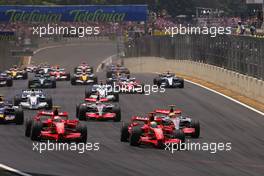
238,53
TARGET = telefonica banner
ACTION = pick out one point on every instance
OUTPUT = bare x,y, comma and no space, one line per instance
74,13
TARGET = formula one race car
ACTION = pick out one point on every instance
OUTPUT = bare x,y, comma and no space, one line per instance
10,113
59,74
169,80
98,111
103,90
42,81
125,84
5,80
31,68
55,126
16,73
173,119
142,130
84,78
115,70
43,69
33,99
84,67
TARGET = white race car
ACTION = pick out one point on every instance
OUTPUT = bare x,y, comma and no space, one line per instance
103,91
169,80
33,99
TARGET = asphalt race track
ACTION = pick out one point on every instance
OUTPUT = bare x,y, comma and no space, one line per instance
221,121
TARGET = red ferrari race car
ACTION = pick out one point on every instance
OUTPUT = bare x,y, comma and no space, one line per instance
145,130
59,74
173,119
98,109
55,126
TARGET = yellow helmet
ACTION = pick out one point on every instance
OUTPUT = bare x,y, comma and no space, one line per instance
172,115
1,98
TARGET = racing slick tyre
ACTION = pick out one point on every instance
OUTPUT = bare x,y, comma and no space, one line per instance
116,95
143,90
36,131
92,70
109,82
17,101
77,109
160,144
19,116
124,133
75,70
82,113
28,127
182,83
49,102
30,82
73,81
95,80
9,82
135,136
109,74
83,130
179,135
68,77
117,111
25,75
53,83
196,125
156,81
88,91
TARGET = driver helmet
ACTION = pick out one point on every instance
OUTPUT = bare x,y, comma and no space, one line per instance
153,124
151,117
57,117
56,112
1,98
172,115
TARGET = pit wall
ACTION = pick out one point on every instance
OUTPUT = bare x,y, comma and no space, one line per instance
245,85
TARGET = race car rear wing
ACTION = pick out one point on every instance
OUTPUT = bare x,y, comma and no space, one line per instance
95,99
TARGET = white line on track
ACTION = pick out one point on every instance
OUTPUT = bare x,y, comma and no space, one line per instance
108,60
5,167
230,98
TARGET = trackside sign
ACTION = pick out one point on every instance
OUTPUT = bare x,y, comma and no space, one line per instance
74,13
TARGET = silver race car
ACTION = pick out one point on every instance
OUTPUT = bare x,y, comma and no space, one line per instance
103,91
98,111
33,99
169,80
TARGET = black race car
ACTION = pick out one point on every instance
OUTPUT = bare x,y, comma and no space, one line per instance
5,80
42,81
10,113
112,70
